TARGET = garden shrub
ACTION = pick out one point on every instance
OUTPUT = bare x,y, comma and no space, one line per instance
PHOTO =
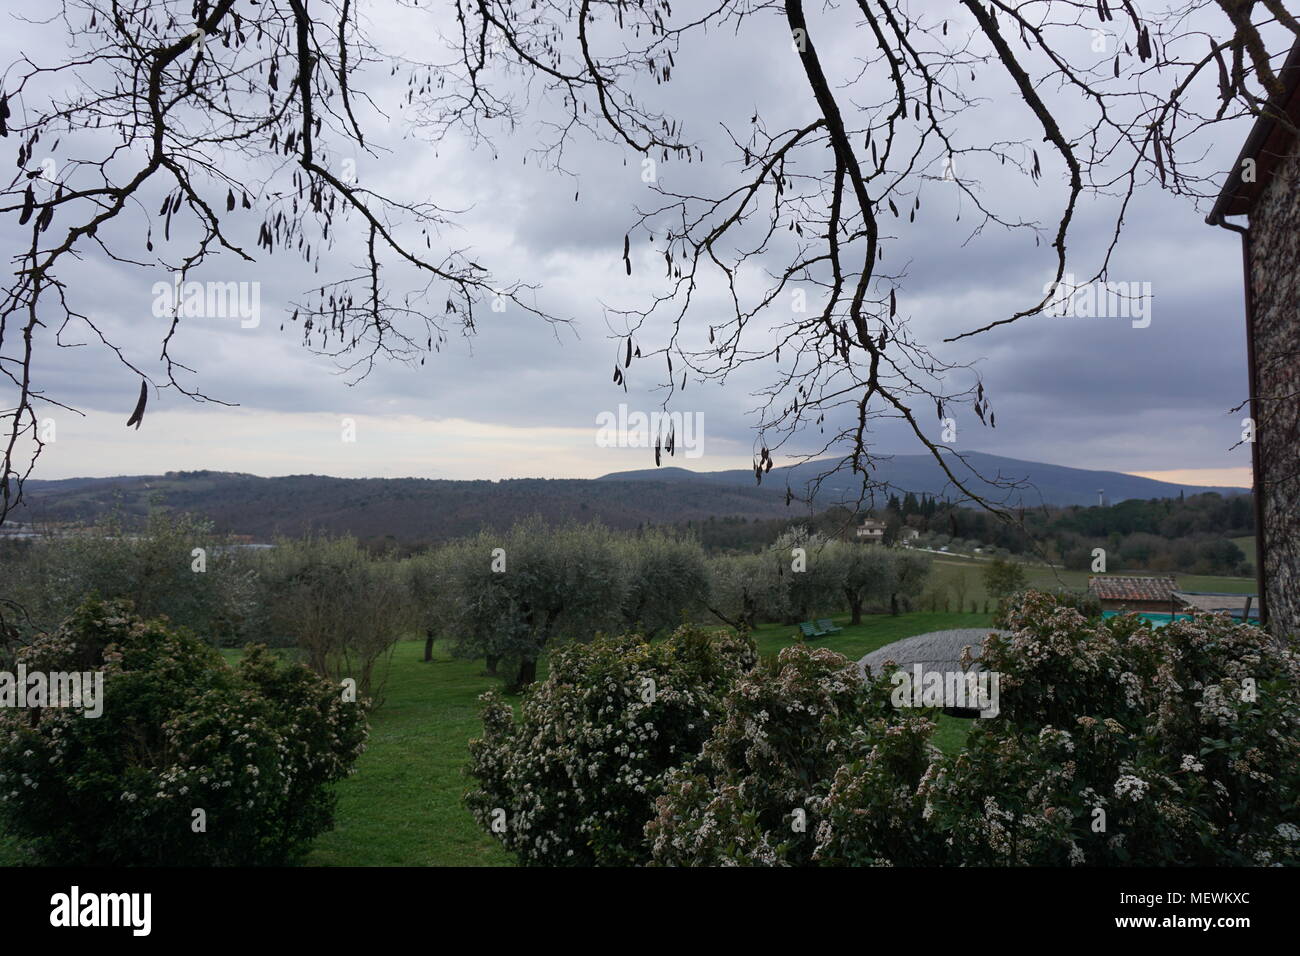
255,746
573,780
1085,602
1114,744
805,748
1186,738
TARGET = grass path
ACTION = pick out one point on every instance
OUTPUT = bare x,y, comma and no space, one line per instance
402,807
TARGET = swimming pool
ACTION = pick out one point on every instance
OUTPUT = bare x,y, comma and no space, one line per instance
1160,620
1157,619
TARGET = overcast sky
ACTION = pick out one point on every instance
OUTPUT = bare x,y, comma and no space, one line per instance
522,397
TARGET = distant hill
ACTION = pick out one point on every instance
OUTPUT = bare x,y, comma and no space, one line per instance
408,509
420,509
1037,483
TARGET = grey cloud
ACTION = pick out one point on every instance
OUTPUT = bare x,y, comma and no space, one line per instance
1090,393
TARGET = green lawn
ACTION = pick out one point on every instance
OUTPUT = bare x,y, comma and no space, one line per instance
949,573
402,806
875,631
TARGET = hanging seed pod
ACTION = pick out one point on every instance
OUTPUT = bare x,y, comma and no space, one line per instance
137,416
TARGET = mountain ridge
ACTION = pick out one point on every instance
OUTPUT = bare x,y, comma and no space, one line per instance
1059,485
427,509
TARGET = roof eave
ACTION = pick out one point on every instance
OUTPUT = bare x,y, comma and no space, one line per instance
1236,198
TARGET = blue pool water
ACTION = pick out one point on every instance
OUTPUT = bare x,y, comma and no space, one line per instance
1156,619
1160,620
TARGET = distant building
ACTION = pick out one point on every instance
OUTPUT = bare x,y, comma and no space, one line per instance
908,534
1264,186
871,530
1123,593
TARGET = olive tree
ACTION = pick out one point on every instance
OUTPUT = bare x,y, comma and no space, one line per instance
864,573
667,578
525,588
808,574
910,573
481,616
175,566
430,578
1003,578
739,586
343,608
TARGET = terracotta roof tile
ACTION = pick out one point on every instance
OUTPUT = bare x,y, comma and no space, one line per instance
1122,588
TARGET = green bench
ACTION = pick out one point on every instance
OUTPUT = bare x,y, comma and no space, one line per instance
819,629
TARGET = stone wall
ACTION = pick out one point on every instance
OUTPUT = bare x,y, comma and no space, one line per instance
1275,280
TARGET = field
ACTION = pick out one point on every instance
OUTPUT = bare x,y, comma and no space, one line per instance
402,806
950,571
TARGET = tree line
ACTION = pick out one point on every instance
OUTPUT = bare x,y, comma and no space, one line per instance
1190,534
507,597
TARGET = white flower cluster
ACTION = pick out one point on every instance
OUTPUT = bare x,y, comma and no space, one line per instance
1130,787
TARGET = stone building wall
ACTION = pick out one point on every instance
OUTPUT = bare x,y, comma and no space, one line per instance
1275,283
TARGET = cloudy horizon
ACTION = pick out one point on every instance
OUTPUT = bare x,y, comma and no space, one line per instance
522,398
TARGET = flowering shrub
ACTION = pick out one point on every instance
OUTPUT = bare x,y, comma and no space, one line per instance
1123,744
1115,744
572,781
254,747
1085,602
804,742
874,812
